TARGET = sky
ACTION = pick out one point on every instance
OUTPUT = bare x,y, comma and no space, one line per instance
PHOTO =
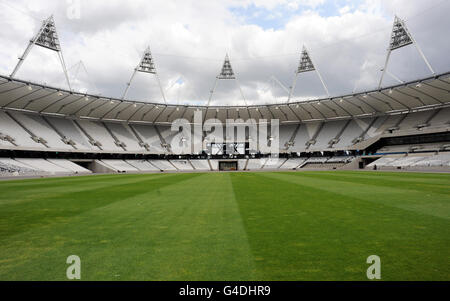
347,41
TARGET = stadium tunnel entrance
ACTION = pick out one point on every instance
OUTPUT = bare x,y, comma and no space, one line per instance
228,166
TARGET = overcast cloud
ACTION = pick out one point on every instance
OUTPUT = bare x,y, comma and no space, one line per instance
189,39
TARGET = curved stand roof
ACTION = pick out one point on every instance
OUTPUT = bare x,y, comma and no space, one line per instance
427,93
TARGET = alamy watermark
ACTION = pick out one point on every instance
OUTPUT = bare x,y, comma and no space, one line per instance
73,11
374,271
73,272
262,137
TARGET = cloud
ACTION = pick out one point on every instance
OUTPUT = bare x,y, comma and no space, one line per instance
347,41
271,4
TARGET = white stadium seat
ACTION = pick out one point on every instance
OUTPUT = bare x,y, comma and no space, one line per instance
182,165
46,166
149,135
66,164
142,165
99,133
21,137
201,165
39,127
70,130
163,165
124,134
120,165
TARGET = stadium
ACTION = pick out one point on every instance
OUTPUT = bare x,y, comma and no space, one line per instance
297,190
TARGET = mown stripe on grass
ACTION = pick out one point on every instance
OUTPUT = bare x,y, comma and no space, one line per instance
188,230
39,244
290,234
32,190
404,196
395,180
304,232
259,227
384,174
59,205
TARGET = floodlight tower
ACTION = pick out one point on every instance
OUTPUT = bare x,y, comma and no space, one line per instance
401,37
306,65
227,73
47,37
146,65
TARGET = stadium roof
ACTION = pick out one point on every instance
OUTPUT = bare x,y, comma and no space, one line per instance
428,93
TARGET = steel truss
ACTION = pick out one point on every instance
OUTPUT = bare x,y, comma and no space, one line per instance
306,65
227,73
146,65
401,37
47,37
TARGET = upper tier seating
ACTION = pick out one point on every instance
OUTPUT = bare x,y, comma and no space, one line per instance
167,134
3,141
303,136
72,132
373,130
328,132
352,132
441,119
390,122
40,128
124,134
98,132
197,142
21,137
149,135
34,132
413,120
286,133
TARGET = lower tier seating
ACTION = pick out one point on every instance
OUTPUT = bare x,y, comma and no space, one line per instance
32,167
412,161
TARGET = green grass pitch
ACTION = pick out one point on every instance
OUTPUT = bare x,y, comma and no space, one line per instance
227,226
